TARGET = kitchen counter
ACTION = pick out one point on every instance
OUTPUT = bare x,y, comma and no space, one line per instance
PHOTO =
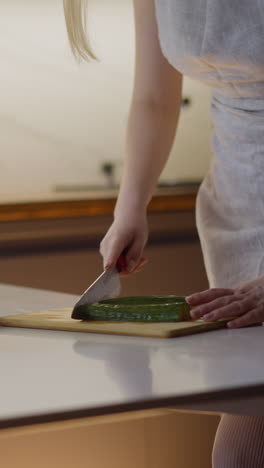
51,376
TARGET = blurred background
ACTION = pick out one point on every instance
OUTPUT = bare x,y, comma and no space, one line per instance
62,123
62,147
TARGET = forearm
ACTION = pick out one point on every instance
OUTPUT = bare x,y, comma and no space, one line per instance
150,135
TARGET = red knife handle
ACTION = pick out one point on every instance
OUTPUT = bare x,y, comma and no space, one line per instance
121,263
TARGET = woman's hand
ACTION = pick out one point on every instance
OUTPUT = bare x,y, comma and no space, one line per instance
129,233
244,305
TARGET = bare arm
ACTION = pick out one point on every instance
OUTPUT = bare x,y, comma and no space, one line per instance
153,114
151,129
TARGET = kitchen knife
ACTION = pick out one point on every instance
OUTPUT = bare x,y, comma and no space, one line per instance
107,285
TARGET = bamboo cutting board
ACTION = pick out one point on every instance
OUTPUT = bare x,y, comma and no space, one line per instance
60,319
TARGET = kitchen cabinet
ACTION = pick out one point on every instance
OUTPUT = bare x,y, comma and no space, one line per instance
150,439
62,255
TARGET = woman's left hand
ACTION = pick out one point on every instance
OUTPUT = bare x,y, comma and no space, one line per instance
244,305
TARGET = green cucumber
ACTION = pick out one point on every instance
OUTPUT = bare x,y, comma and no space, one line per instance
136,309
141,300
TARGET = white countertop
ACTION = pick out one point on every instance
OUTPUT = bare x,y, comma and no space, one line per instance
49,375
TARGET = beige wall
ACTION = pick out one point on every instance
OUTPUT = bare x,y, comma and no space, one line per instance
59,120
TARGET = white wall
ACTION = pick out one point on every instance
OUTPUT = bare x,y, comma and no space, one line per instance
60,120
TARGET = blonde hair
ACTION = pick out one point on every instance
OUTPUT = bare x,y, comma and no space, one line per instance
75,17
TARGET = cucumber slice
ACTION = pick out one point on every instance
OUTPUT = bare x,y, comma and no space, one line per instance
136,309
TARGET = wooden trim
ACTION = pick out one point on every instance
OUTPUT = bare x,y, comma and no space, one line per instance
82,208
30,236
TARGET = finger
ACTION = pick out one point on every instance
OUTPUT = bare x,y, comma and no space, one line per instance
104,250
133,256
208,295
142,262
237,308
254,316
112,252
137,269
140,266
220,303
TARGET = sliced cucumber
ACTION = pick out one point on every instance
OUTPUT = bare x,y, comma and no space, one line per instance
136,309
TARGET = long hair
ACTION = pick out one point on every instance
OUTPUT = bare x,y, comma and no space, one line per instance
75,16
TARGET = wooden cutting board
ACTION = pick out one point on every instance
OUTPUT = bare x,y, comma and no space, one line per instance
60,319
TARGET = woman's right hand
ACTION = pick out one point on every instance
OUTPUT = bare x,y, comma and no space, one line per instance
129,233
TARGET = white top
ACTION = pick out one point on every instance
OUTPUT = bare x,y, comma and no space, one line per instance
45,374
221,44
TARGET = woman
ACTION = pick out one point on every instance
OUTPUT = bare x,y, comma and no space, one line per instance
221,44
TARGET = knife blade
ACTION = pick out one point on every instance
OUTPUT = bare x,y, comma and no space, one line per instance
106,286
